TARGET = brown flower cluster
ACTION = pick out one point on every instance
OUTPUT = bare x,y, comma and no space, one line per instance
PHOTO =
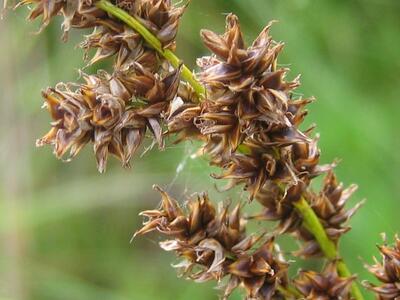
250,117
324,286
110,37
250,124
213,245
161,17
114,111
79,14
387,272
111,111
278,206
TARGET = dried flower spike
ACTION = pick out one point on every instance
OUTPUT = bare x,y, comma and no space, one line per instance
213,245
387,272
111,111
251,107
324,286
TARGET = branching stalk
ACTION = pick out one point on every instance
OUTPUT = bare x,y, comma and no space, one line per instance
313,225
153,41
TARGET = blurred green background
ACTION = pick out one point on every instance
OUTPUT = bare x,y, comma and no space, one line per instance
65,229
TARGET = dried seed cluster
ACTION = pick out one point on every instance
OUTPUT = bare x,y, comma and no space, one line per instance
250,124
213,245
249,105
324,286
387,272
113,111
111,37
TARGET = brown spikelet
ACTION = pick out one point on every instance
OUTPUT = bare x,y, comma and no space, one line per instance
243,81
213,245
324,286
250,121
111,111
387,272
278,206
111,38
161,17
78,14
260,273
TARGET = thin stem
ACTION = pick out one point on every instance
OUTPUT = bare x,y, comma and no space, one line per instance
153,41
312,224
289,292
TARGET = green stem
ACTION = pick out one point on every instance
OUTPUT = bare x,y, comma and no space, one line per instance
289,292
313,225
153,41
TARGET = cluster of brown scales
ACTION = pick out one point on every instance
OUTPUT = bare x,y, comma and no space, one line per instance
213,245
249,121
387,272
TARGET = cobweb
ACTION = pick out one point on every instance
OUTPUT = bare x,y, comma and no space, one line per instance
192,176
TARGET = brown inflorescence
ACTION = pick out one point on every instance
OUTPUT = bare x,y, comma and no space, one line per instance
250,122
161,17
111,37
387,272
111,111
76,13
213,245
114,110
250,118
324,286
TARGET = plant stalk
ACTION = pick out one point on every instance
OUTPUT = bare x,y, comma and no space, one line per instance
153,41
313,225
289,292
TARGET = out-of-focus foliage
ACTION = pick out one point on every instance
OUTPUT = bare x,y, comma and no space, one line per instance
65,229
